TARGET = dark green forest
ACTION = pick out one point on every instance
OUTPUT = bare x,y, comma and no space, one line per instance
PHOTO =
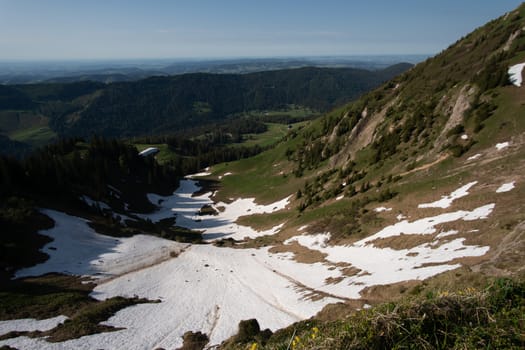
164,105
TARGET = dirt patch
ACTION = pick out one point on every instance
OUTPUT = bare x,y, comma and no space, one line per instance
391,292
339,311
461,105
351,271
507,257
301,254
511,39
402,241
426,166
363,133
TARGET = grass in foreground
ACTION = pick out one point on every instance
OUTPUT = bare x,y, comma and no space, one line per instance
492,318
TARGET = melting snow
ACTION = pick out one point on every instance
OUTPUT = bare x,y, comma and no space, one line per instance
502,145
447,233
77,249
381,209
186,207
427,225
381,266
515,74
506,187
210,289
94,203
475,156
205,288
400,217
30,324
225,174
206,172
446,201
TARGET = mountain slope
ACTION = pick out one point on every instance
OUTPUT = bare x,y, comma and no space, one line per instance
452,121
416,189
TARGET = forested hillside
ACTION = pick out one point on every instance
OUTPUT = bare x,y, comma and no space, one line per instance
161,105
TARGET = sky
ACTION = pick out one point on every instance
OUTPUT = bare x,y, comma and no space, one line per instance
133,29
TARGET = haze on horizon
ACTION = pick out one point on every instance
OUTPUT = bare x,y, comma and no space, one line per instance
182,29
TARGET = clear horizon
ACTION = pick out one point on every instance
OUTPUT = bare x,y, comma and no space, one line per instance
117,30
208,58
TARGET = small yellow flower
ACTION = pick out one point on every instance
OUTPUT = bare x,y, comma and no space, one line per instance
254,346
315,331
296,341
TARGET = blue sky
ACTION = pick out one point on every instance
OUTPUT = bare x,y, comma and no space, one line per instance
119,29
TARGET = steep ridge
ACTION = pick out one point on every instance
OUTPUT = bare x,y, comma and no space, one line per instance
425,171
370,166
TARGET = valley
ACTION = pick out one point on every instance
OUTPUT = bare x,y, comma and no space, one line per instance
390,220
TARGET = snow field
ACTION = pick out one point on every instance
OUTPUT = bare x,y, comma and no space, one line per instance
77,249
381,266
206,289
385,265
428,225
186,207
211,289
30,324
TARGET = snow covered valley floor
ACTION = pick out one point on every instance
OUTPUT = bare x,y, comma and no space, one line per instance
210,289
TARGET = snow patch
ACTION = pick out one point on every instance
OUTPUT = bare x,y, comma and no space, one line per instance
400,217
506,187
149,151
447,233
385,265
474,157
105,207
446,201
225,174
502,145
382,209
428,225
78,250
185,206
206,172
30,324
515,72
94,203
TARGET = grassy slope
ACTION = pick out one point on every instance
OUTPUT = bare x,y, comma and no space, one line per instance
269,176
26,126
461,319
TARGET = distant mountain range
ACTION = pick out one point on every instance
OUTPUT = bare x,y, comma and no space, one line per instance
130,70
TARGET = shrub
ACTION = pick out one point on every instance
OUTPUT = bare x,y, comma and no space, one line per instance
194,341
